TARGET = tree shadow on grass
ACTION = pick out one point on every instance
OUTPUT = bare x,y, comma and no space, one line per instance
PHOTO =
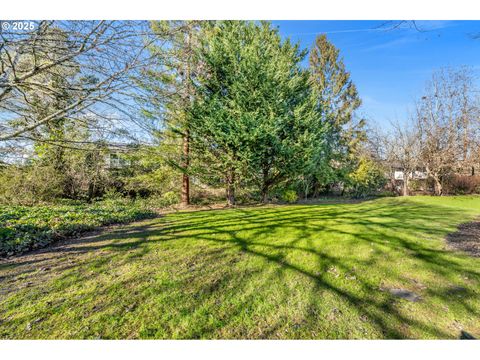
220,240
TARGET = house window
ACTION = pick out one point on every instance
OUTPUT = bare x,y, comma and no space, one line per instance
398,175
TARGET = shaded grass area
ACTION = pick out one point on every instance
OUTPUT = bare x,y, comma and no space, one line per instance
306,271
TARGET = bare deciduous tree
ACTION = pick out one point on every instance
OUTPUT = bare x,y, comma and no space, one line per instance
95,59
402,148
447,118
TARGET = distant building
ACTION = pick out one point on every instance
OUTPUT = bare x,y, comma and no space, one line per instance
114,160
419,174
417,179
115,156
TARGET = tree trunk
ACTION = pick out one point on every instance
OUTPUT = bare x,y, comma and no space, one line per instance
91,191
393,185
264,193
405,184
185,165
437,186
186,136
265,185
230,188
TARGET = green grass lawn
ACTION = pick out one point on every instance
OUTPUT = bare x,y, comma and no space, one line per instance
300,271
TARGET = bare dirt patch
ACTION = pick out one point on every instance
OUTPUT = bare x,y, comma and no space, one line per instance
466,238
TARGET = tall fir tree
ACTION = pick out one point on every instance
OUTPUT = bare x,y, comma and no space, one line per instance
254,116
337,94
337,99
170,90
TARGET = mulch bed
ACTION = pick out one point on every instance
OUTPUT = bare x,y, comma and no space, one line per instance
466,238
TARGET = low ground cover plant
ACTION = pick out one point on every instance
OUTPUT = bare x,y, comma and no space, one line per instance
24,228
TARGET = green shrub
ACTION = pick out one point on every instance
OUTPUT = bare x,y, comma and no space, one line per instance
290,196
161,201
149,174
24,228
367,179
29,185
416,185
169,198
112,194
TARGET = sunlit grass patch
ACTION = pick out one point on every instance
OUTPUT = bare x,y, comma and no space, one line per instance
300,271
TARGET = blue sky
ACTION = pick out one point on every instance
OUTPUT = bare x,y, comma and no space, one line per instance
390,67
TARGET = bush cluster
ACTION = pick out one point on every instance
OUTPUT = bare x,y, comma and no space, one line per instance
290,196
462,185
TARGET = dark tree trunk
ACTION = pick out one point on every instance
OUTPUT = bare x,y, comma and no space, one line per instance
264,194
230,188
185,165
91,191
186,136
265,186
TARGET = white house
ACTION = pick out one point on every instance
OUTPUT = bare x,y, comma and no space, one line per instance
415,175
